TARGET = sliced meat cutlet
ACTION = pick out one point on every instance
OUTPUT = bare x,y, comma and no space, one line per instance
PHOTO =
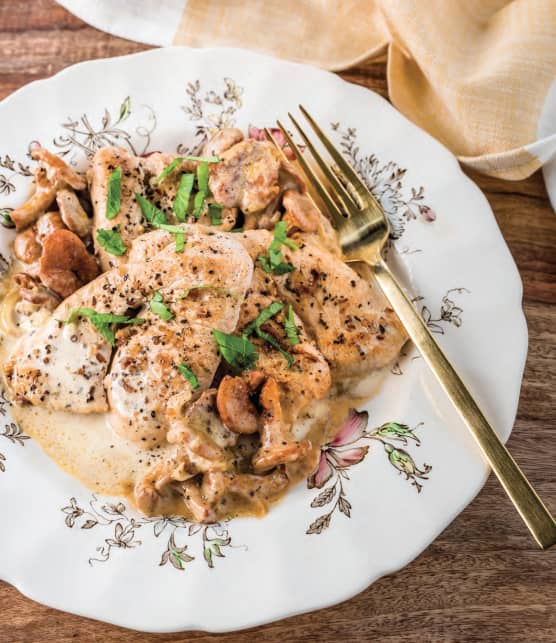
308,377
62,366
349,317
202,287
289,386
138,175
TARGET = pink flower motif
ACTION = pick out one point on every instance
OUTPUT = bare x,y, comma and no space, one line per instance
427,213
350,457
258,134
352,429
322,474
333,457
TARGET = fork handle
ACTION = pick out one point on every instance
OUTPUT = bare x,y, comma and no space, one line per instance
531,508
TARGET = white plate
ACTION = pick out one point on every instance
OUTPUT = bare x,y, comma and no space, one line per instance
63,548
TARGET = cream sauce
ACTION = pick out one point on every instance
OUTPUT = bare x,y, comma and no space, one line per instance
86,447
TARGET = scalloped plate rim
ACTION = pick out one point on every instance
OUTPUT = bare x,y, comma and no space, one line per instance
511,303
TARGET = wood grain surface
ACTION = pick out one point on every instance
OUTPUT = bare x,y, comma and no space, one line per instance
483,579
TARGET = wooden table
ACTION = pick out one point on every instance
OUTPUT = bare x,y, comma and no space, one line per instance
483,579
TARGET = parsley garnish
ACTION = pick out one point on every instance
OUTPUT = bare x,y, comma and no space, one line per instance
111,241
181,202
273,263
189,375
202,184
255,327
158,219
265,314
174,164
168,170
153,215
215,214
203,159
291,328
177,232
158,306
103,322
113,196
239,352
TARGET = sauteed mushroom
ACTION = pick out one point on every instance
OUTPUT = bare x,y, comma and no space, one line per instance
73,214
65,265
57,170
40,200
236,409
276,446
32,291
26,246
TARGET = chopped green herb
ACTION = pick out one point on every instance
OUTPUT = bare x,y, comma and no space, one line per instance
180,241
269,339
153,215
256,326
180,159
103,322
158,306
279,269
171,228
181,202
198,203
168,170
202,159
158,219
111,241
237,230
215,214
189,375
266,313
203,177
113,196
280,236
177,232
273,263
202,185
239,352
290,327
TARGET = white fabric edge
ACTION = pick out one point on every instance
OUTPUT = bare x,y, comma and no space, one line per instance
151,22
547,129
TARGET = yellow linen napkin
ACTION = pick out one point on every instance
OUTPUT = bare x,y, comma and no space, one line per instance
474,73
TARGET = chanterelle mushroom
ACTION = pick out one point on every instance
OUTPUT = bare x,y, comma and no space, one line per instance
73,214
26,246
47,224
235,407
65,265
221,141
53,174
32,291
57,170
40,200
276,446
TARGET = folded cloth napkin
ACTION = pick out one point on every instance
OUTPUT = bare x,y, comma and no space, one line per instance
479,75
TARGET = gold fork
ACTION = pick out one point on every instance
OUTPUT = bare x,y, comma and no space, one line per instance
363,230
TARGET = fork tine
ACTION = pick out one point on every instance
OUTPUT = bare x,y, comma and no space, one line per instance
319,187
271,138
342,194
342,164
